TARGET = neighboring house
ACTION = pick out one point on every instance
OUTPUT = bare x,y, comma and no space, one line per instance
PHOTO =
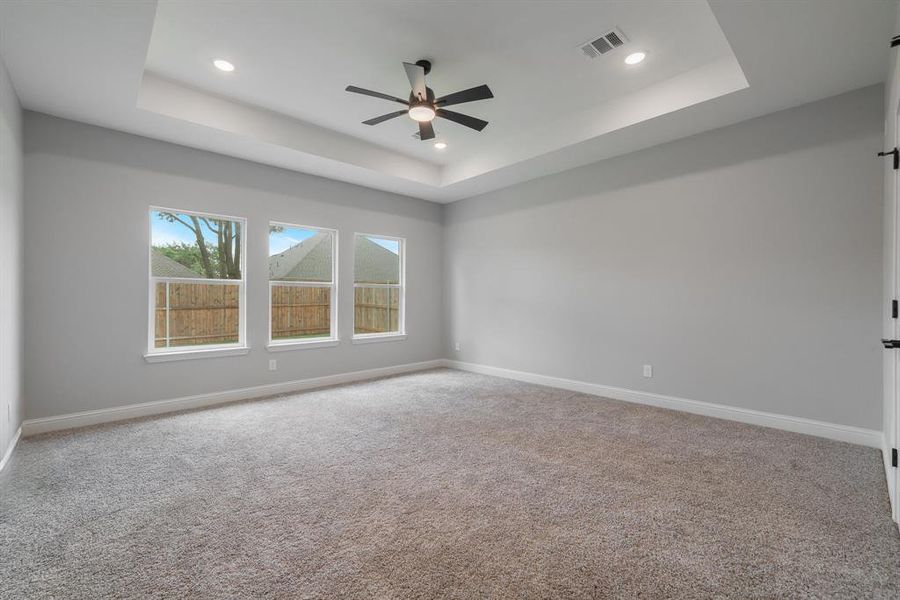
310,260
373,263
163,266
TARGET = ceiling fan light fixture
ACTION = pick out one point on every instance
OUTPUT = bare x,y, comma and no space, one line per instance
421,112
422,106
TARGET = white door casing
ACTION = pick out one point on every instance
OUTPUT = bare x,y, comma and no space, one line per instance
890,327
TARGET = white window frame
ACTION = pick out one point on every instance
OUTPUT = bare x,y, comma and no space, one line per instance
333,338
205,351
391,336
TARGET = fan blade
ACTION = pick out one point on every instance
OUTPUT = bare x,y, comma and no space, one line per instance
416,76
482,92
384,118
466,120
426,130
358,90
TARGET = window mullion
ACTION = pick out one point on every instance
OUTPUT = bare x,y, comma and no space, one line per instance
168,316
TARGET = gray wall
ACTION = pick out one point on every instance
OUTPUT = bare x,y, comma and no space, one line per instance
11,225
744,264
87,194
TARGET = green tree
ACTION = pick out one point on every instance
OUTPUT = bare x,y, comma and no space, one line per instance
189,255
222,260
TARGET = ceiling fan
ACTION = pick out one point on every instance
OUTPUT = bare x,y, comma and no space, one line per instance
423,107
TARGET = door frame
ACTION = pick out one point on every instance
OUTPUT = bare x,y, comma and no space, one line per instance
891,270
891,357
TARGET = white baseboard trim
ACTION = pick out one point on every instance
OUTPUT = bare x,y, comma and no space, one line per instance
9,450
843,433
121,413
833,431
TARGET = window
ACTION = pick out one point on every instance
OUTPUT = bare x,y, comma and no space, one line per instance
196,283
378,287
302,286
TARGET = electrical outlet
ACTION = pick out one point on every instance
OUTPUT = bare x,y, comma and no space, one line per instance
273,365
648,370
456,346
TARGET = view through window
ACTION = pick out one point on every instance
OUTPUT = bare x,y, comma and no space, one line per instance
197,280
301,283
378,288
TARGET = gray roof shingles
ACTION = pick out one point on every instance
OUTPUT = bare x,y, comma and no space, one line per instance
373,263
310,260
163,266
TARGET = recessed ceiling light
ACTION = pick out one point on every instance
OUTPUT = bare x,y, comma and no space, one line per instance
223,65
635,58
440,145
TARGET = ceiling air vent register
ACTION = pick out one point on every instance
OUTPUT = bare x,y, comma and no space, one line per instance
610,40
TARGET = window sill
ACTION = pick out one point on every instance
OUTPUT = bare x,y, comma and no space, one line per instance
154,357
285,346
378,337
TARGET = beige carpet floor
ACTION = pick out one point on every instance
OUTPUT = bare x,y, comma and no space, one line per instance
443,484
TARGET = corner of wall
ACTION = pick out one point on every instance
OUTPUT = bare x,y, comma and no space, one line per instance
11,273
445,287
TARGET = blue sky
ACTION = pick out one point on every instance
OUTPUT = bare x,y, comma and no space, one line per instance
392,245
165,233
279,241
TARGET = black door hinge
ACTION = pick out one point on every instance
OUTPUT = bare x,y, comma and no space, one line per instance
896,154
894,309
893,457
895,41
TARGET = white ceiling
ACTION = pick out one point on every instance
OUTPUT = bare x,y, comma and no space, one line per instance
146,69
301,56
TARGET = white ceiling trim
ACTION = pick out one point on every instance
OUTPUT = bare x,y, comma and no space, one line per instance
178,101
311,142
705,83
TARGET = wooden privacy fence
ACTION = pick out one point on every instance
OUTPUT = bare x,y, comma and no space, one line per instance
376,309
300,311
194,314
